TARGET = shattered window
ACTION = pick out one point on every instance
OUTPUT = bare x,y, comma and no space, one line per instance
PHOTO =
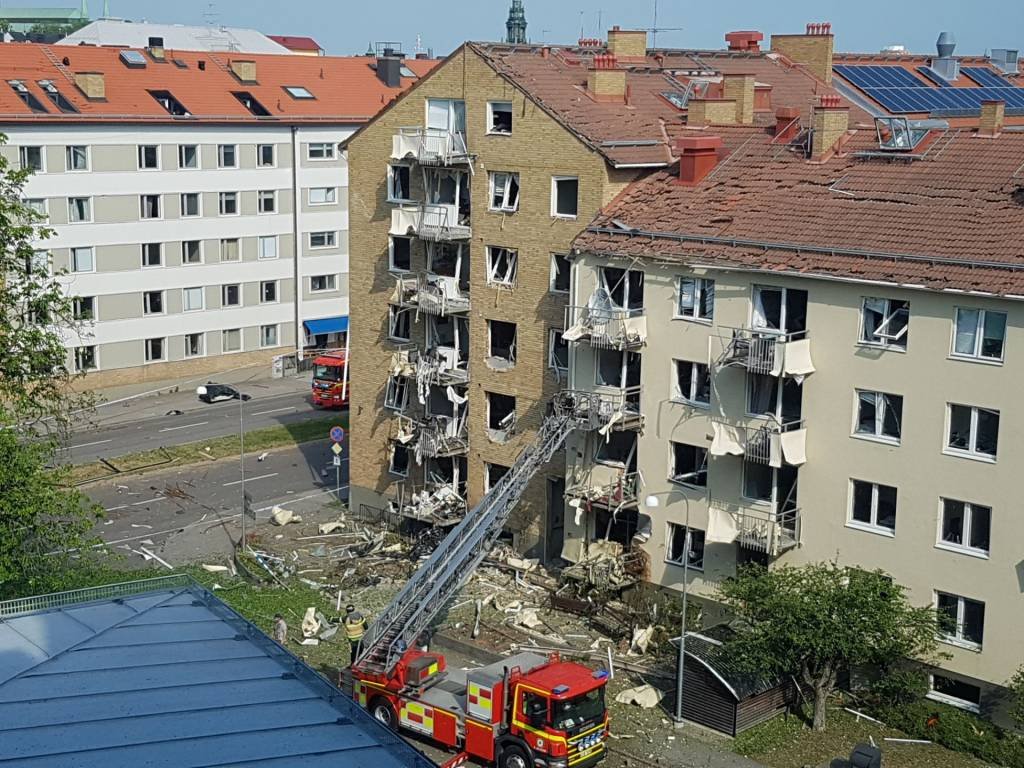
696,298
397,395
879,414
689,464
400,324
885,322
973,430
398,183
625,287
961,620
399,460
559,273
502,338
676,546
693,382
493,475
558,351
619,450
505,192
501,266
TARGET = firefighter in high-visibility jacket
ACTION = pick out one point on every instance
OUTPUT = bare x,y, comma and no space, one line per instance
355,628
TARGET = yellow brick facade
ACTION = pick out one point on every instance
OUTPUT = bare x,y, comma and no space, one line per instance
711,112
813,51
538,149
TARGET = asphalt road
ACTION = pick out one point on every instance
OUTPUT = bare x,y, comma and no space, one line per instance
200,423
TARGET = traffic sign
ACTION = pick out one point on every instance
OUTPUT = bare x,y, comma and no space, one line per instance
337,434
337,461
337,449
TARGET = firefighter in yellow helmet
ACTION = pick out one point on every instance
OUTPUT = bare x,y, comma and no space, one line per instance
355,628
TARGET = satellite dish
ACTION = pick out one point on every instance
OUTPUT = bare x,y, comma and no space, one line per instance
600,305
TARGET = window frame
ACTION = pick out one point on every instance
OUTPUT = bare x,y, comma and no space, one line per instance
202,298
92,259
298,92
223,296
953,701
144,253
957,639
146,350
146,310
512,270
490,118
966,532
553,276
332,236
492,185
971,451
553,344
669,525
76,309
141,148
277,291
872,526
331,199
202,345
221,248
159,206
979,337
554,198
223,197
330,285
184,251
394,313
396,394
261,240
392,168
181,158
686,399
277,335
68,155
259,155
700,289
687,479
881,409
199,204
23,152
76,358
221,153
391,253
395,448
88,202
263,195
885,340
224,335
331,155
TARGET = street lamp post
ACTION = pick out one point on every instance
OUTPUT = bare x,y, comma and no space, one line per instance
242,399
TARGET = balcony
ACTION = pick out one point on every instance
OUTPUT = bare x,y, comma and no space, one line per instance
770,531
441,366
443,436
440,505
602,411
429,221
618,490
607,328
430,146
766,352
768,443
431,294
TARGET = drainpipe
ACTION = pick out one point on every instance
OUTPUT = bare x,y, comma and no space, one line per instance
297,245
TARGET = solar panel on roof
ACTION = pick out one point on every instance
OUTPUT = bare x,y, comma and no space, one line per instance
133,59
986,77
876,76
934,76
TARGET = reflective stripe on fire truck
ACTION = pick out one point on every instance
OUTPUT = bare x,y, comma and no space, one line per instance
480,701
361,693
417,716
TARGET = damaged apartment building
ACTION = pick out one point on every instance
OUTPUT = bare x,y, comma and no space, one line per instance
809,327
466,195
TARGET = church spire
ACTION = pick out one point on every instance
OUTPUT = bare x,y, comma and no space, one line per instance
516,24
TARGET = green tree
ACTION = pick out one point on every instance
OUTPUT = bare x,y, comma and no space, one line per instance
1016,686
816,620
41,520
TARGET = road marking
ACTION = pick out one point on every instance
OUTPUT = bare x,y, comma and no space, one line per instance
86,445
251,479
147,501
184,426
275,410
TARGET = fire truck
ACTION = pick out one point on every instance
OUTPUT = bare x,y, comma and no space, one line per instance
330,380
524,711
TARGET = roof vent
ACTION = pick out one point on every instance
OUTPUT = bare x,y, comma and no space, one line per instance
389,67
945,45
744,40
698,155
944,64
1005,60
244,70
155,47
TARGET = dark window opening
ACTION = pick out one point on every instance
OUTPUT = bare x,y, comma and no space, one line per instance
620,526
618,449
27,96
677,548
251,103
494,474
626,288
501,412
170,103
780,309
401,253
560,270
501,117
566,202
689,464
58,98
502,341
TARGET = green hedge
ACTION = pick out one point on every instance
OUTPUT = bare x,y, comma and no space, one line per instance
957,730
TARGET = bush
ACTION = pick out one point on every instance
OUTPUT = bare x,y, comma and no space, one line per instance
897,688
957,730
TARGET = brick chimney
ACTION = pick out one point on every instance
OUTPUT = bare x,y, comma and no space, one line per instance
605,81
813,49
627,43
711,112
829,124
787,124
697,156
744,40
992,115
92,84
740,88
244,70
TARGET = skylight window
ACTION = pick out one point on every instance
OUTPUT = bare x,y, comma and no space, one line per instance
27,96
249,102
180,64
133,59
406,72
899,133
675,98
56,96
298,92
171,104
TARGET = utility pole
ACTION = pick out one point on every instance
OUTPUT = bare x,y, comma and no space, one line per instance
242,399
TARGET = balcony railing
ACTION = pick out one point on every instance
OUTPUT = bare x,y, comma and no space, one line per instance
617,493
767,352
429,221
441,366
430,146
440,437
771,532
765,443
433,294
602,411
606,328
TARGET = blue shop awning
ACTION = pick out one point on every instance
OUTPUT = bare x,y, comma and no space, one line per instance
327,325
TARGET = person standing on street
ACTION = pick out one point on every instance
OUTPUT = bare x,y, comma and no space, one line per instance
355,628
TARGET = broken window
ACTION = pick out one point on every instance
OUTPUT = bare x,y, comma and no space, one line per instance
873,506
879,414
499,117
973,430
764,483
400,254
783,310
505,192
564,196
955,692
558,351
693,382
676,547
493,475
961,620
689,464
450,471
885,322
399,460
560,270
449,260
780,399
501,415
397,395
625,287
619,525
399,189
619,449
502,343
966,526
696,299
979,333
618,369
501,266
399,324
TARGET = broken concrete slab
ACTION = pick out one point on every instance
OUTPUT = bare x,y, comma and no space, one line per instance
644,696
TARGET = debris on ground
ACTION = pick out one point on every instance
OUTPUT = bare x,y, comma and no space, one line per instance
640,641
282,516
644,696
310,624
444,505
325,528
215,568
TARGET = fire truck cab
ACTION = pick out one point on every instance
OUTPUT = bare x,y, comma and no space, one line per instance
524,711
330,380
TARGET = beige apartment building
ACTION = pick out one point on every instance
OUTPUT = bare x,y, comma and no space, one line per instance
465,196
828,368
197,201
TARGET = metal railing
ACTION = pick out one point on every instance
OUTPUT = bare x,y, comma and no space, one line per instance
761,442
769,531
430,146
429,221
433,368
436,440
594,410
622,491
756,350
22,605
606,328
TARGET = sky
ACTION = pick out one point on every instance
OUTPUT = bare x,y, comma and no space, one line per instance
347,26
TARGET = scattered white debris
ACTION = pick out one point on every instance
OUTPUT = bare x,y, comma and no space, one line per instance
310,625
262,456
641,639
282,516
310,641
215,568
141,525
331,527
159,559
644,696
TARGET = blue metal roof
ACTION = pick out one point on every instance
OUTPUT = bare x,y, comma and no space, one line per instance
327,325
163,674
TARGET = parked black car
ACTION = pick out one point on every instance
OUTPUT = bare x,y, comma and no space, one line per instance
215,393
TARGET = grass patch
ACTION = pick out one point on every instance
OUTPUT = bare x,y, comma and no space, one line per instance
219,448
790,743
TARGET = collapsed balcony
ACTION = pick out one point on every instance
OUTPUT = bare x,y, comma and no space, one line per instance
430,146
606,327
602,411
767,353
618,490
446,360
768,443
445,430
430,221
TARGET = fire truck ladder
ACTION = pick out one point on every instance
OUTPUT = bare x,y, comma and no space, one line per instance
453,562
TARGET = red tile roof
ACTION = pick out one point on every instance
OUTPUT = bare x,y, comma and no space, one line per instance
953,219
296,42
346,89
641,131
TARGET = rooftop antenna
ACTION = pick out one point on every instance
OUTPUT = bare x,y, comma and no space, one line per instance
581,24
655,29
600,28
419,43
211,16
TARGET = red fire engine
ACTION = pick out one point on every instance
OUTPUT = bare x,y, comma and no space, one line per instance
524,711
330,380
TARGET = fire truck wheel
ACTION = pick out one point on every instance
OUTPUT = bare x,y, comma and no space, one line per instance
513,756
384,713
